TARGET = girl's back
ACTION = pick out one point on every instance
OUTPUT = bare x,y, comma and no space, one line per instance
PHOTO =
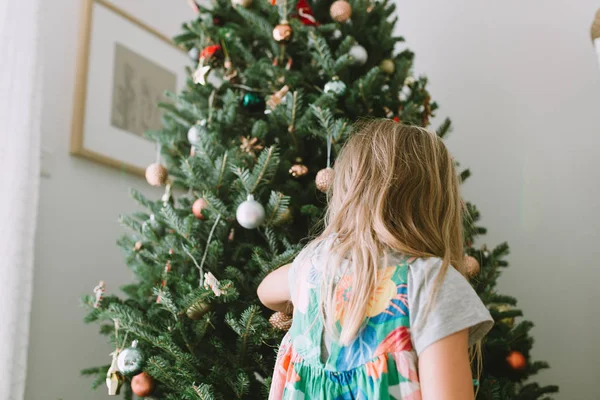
381,363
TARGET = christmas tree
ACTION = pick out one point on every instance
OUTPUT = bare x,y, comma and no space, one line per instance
245,158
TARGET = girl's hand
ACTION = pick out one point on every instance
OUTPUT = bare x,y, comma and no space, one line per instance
274,290
445,371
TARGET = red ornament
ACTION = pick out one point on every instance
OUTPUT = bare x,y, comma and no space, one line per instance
396,119
217,21
516,360
197,208
305,13
210,51
142,385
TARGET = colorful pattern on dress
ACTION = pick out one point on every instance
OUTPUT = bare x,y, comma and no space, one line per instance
379,364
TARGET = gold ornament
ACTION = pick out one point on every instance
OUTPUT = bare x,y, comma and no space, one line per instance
596,27
156,174
114,377
340,11
324,179
242,3
298,170
251,145
276,97
508,321
387,66
281,321
282,32
472,265
197,310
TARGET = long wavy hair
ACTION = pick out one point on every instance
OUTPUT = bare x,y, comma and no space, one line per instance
395,190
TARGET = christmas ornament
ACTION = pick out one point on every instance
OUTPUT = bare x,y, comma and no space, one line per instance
199,205
282,33
253,102
197,310
281,321
114,378
142,384
388,66
194,53
217,21
156,174
130,361
231,236
212,283
305,13
250,214
516,360
196,132
277,97
298,170
337,34
335,87
251,145
472,265
209,52
324,179
138,245
201,74
166,197
99,293
509,321
340,11
359,54
242,3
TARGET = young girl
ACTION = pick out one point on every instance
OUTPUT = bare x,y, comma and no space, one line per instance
381,306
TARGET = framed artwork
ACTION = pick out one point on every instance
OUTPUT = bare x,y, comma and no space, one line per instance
124,68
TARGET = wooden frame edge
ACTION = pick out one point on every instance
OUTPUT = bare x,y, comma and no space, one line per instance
81,79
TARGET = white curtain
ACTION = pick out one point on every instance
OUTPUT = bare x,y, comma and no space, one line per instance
20,99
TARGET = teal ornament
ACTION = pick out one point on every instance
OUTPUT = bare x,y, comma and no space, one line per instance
253,102
335,87
131,360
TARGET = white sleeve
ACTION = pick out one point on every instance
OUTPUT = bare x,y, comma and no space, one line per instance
456,307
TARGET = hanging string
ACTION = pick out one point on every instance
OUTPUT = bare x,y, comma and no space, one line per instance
329,141
207,244
158,148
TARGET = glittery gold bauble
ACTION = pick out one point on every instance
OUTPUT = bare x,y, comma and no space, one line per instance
324,179
281,321
340,11
243,3
156,174
298,170
142,384
197,310
282,32
472,265
388,66
516,360
197,208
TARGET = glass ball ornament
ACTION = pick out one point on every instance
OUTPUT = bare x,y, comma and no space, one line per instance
282,33
340,11
142,385
196,132
131,360
194,53
156,174
335,87
253,102
359,54
250,214
388,66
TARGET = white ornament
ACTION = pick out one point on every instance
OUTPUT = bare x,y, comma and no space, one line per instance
99,293
196,132
409,80
250,214
335,86
336,34
359,54
201,74
210,282
194,53
405,93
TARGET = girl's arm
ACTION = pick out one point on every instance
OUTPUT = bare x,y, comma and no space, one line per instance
274,290
445,370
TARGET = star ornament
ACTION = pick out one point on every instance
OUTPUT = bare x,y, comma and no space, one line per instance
201,74
251,145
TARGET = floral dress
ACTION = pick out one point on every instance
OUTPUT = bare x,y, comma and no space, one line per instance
379,364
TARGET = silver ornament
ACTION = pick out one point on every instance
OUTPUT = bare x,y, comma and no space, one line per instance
359,54
335,87
194,53
130,361
337,34
250,214
196,132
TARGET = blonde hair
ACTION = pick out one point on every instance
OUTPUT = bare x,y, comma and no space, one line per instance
395,190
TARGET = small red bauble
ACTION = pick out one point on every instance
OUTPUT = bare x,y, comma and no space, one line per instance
516,360
210,51
142,384
198,206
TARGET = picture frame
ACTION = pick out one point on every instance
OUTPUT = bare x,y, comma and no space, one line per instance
124,68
